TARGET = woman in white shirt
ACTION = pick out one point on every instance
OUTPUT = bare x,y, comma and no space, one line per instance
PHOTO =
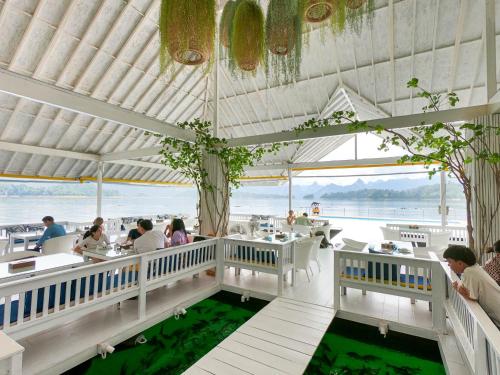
96,238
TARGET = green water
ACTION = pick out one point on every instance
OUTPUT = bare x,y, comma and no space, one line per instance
174,345
353,349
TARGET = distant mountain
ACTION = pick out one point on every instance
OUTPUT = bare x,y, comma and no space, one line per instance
398,185
454,191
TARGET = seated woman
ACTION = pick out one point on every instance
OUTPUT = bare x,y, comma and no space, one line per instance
493,266
290,220
96,238
177,233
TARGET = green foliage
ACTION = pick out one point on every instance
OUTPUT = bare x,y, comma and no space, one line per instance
226,22
356,16
284,39
246,49
189,158
186,25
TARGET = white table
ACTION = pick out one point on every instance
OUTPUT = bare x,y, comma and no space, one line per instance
25,236
107,254
43,264
376,246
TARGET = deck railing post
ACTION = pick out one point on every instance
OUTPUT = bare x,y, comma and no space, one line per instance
219,258
438,280
12,355
280,271
480,356
143,271
336,280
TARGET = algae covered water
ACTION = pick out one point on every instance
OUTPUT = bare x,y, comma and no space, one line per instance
354,349
175,345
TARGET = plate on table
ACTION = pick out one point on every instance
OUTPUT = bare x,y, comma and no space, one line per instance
404,250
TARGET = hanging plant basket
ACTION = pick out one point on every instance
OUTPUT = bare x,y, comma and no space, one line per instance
354,4
284,39
359,12
318,10
226,22
187,31
247,36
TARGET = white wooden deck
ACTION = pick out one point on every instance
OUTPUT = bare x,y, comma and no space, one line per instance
279,339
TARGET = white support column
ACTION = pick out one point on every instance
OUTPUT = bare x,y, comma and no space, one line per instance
442,203
100,172
289,188
490,48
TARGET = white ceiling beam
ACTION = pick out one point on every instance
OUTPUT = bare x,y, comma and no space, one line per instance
390,9
142,164
25,87
398,122
458,39
367,163
490,48
131,154
37,150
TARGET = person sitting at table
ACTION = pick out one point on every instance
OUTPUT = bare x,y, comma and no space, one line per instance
133,234
476,284
290,219
96,238
303,220
53,230
177,233
150,239
493,266
97,221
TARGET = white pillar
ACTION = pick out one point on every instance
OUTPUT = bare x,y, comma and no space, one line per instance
100,172
442,203
289,188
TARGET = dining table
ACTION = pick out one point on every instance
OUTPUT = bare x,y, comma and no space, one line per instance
108,253
43,264
25,236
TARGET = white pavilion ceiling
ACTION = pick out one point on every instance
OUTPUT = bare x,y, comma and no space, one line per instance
108,50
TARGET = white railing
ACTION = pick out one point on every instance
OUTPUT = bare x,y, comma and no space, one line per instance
273,258
396,275
458,235
478,337
28,306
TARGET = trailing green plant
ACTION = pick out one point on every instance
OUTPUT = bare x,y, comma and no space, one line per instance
284,39
226,22
246,49
190,159
187,31
358,12
453,146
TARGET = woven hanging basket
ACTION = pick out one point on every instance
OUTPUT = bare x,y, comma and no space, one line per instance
280,32
247,35
226,21
354,4
318,10
189,30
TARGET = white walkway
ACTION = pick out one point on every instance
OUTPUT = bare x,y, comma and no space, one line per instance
279,339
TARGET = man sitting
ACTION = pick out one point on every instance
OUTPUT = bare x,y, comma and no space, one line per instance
150,239
134,234
476,284
53,230
303,220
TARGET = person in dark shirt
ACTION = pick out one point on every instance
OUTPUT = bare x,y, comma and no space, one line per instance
134,233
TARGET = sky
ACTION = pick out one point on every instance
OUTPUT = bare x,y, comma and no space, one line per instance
367,145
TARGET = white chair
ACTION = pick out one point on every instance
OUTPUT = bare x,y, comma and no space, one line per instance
4,244
325,229
285,227
315,250
439,239
63,244
423,252
161,227
353,245
303,249
390,234
18,255
130,226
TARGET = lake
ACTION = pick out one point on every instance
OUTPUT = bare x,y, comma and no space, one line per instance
15,210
